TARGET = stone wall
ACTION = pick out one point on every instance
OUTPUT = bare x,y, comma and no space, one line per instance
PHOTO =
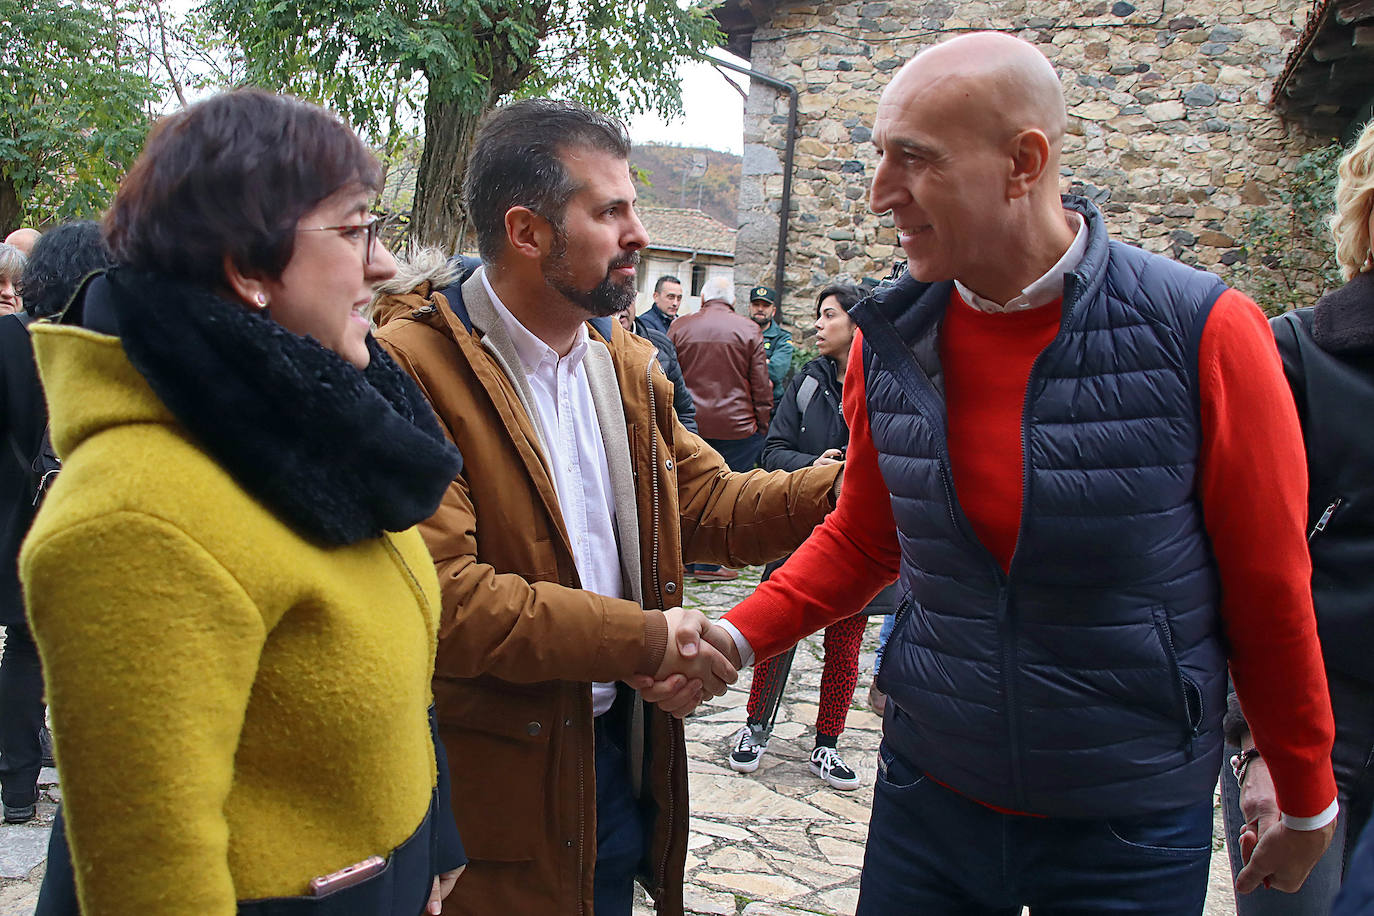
1170,131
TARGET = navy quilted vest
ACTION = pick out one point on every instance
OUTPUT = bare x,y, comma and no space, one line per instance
1090,681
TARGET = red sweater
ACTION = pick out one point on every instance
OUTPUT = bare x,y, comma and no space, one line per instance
1252,483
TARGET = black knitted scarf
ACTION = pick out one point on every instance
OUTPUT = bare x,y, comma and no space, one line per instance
338,453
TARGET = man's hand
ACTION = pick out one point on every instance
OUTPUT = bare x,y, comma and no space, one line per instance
720,637
694,665
443,885
829,456
1274,855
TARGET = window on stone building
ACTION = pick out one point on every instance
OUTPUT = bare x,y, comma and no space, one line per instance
698,278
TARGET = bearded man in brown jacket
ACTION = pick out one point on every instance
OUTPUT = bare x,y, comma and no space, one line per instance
564,535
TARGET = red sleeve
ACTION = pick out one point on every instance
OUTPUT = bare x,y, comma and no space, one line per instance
1253,487
846,561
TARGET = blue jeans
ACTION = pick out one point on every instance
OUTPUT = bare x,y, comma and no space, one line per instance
884,634
1352,758
620,837
739,454
933,851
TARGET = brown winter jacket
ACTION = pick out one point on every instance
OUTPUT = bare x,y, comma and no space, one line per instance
520,642
726,367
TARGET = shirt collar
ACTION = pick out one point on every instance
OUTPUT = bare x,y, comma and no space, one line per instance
1044,290
532,351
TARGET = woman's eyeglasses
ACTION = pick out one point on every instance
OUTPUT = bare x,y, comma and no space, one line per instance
371,229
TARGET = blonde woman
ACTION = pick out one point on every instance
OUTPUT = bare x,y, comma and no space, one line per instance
1328,357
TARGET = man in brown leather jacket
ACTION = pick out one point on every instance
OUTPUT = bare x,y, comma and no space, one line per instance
564,534
724,362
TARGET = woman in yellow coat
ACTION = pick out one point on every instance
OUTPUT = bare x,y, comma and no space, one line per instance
236,618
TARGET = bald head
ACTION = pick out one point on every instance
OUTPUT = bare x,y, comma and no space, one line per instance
23,239
996,84
969,134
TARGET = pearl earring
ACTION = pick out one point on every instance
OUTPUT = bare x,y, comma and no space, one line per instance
260,300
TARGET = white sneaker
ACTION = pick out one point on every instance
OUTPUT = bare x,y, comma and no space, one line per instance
826,763
745,756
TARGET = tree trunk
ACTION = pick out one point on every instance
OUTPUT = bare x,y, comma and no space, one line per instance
10,211
437,217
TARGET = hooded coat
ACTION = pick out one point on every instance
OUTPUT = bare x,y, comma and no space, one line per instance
520,642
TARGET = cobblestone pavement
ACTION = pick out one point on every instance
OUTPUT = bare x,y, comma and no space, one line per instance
778,842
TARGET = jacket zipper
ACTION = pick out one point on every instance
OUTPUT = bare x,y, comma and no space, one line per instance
1006,608
1325,519
661,879
581,827
1006,623
653,474
1159,617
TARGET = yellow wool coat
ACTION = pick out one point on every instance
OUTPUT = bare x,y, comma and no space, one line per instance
236,708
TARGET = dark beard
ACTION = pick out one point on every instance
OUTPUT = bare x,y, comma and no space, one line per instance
601,301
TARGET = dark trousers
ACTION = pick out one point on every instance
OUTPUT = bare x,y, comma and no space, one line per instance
740,455
21,717
1352,758
620,829
933,851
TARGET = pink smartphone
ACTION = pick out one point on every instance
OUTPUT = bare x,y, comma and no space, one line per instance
347,877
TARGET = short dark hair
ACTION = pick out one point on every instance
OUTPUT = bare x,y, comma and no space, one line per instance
847,294
232,175
61,259
658,287
515,162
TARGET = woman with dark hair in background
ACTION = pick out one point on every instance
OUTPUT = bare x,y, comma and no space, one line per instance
60,259
1328,358
809,428
236,617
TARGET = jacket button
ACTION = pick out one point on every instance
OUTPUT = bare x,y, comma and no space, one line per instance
668,464
568,844
533,729
670,587
567,723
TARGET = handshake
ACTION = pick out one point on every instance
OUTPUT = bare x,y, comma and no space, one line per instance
701,660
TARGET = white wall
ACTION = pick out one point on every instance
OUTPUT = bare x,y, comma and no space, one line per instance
654,266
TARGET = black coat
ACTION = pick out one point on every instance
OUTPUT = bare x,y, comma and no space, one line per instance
667,359
654,320
796,439
1328,357
23,418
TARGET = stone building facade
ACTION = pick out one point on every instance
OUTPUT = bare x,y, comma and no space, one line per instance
1170,128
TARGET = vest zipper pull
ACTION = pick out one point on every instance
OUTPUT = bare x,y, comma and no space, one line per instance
1326,518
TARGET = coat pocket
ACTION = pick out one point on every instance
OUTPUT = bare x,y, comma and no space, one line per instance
502,815
1186,693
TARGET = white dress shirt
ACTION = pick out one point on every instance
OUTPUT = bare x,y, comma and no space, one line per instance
576,456
1049,287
